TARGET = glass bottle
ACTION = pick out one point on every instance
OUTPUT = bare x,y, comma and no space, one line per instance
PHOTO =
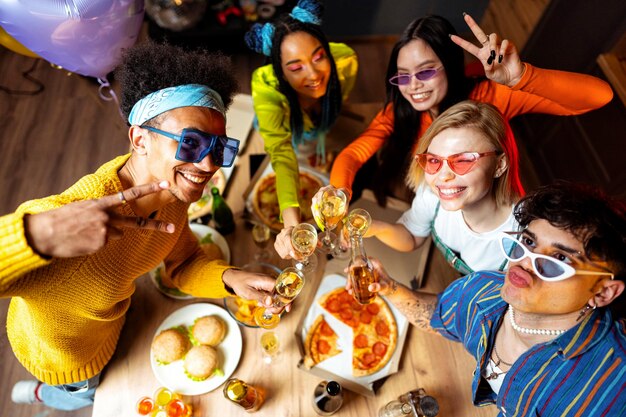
361,271
222,215
395,408
327,398
245,395
424,405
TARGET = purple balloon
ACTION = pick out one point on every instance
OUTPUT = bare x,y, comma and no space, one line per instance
82,36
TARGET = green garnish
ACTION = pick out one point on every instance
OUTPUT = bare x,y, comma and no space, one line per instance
206,239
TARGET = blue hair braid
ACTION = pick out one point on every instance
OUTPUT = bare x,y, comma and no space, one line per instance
259,38
308,11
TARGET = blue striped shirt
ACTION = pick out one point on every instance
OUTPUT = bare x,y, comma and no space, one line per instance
579,373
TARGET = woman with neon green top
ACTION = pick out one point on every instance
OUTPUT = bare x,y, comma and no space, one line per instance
297,98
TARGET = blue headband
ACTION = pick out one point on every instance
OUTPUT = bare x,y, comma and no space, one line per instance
188,95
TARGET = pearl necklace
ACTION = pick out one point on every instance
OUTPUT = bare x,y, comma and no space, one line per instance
531,331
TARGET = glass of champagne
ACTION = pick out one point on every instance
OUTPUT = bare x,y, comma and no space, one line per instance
261,237
358,222
333,207
304,242
287,287
270,346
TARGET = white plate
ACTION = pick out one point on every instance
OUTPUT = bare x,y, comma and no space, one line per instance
173,375
200,230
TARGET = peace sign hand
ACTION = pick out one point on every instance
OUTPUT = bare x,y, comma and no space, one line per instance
501,61
84,227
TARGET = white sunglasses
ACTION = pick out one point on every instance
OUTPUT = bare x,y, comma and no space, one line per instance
546,267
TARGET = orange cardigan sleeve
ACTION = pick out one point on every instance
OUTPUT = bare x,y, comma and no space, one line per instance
352,157
546,91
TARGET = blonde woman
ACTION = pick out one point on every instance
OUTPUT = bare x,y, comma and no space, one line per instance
465,176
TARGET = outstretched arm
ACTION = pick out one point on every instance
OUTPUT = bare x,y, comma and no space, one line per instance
417,306
395,235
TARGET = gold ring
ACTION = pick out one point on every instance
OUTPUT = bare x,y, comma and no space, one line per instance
121,196
486,40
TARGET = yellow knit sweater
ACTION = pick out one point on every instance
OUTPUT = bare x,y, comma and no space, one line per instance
66,315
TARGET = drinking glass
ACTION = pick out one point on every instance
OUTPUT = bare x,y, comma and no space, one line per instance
304,242
287,287
261,237
270,347
358,222
333,207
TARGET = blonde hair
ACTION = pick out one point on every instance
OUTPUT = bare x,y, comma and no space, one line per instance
486,119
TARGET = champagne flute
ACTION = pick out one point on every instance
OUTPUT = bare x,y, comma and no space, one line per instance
332,209
261,237
304,242
287,287
358,222
270,346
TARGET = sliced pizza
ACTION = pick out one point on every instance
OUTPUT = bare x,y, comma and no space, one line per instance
265,199
375,332
320,344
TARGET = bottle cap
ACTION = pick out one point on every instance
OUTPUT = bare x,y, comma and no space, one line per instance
333,388
429,406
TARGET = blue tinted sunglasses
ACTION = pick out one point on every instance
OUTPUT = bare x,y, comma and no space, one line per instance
194,145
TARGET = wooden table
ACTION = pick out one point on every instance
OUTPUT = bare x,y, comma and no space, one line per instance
443,368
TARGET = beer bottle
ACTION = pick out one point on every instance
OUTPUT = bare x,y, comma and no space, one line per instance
222,215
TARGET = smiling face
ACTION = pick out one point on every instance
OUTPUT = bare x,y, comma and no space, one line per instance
473,190
187,179
526,292
305,64
417,56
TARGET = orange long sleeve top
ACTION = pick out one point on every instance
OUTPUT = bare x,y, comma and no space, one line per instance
539,91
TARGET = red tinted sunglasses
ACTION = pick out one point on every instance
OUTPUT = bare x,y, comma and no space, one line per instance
460,163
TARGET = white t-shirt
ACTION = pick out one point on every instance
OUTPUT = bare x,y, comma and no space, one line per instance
480,251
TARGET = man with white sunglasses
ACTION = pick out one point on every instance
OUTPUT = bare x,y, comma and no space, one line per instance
544,341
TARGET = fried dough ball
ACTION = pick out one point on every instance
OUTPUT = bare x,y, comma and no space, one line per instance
212,251
200,362
209,330
170,345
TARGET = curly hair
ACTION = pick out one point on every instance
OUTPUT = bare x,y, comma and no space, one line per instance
395,154
597,220
149,66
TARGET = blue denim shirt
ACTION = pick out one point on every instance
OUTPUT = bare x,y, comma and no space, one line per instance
581,372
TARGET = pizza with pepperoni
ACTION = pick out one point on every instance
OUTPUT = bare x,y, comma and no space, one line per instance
375,332
320,343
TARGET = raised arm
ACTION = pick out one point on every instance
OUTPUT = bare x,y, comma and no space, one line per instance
530,89
357,153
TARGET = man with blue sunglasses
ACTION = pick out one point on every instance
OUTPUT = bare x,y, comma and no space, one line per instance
69,262
544,339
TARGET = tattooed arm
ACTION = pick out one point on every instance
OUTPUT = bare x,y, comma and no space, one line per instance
417,306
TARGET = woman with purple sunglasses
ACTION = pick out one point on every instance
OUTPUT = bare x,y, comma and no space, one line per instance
426,76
